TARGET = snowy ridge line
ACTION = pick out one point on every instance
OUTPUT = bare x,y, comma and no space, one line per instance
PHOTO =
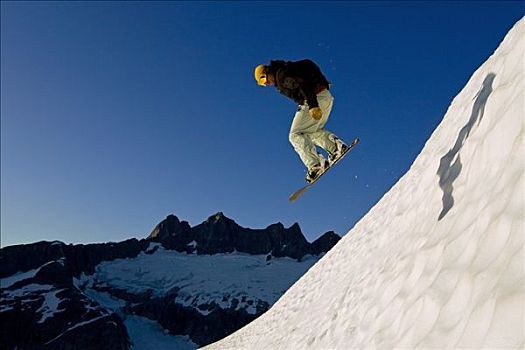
438,261
30,288
81,324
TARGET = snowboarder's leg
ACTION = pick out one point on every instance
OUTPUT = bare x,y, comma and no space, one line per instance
306,133
303,126
325,138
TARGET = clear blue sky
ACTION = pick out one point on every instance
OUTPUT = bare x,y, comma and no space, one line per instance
116,114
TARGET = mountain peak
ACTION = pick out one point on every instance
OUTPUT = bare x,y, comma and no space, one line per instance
170,226
218,217
220,234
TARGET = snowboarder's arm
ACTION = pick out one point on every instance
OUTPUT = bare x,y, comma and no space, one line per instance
308,92
308,75
292,80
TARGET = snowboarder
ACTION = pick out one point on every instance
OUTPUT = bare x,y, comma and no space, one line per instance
303,82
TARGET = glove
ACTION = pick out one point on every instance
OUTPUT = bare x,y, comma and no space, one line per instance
316,113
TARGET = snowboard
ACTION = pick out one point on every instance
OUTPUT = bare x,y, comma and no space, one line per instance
294,196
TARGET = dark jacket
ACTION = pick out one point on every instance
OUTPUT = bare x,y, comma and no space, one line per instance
299,80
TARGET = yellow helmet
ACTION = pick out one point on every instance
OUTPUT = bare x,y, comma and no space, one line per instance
260,74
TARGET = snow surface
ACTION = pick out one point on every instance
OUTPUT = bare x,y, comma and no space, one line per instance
33,288
30,290
7,282
146,334
105,300
204,279
50,305
439,261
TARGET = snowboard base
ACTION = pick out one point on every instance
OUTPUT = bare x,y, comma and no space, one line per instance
294,196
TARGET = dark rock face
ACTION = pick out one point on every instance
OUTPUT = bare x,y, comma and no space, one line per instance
53,273
78,258
219,234
83,258
202,329
110,334
28,256
78,323
325,243
47,311
169,227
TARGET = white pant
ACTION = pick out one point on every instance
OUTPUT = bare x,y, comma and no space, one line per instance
306,133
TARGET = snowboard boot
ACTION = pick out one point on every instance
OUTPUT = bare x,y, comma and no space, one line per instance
313,173
341,148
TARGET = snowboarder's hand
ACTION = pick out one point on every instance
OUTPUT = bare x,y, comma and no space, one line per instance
316,113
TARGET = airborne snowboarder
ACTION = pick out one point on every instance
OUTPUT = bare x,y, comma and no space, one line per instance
303,82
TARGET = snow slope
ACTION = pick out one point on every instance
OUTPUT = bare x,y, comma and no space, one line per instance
439,261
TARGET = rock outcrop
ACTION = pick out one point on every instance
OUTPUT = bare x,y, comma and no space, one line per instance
220,234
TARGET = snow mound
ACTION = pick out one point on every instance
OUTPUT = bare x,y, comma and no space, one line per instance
439,261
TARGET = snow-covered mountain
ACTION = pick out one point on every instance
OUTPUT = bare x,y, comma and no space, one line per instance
438,262
180,288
